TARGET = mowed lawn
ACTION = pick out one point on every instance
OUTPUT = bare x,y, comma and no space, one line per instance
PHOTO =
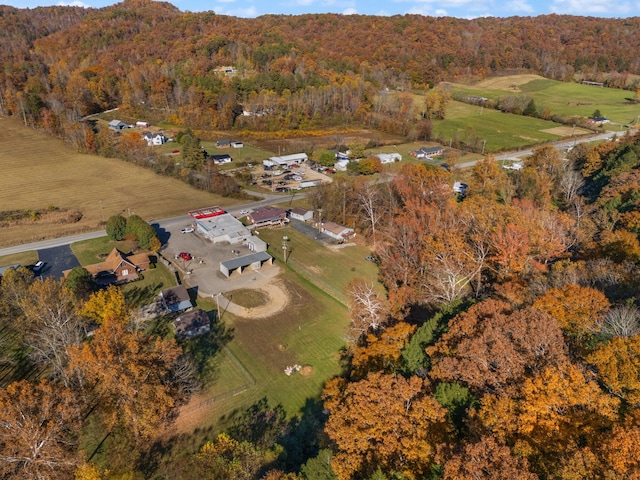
309,332
502,131
40,172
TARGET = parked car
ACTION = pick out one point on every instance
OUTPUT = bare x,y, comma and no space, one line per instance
186,230
369,258
184,256
38,266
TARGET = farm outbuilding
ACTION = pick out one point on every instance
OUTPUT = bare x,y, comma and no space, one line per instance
389,157
253,261
117,125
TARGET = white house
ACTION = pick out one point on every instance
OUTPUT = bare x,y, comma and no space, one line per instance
237,144
154,138
337,231
389,157
301,214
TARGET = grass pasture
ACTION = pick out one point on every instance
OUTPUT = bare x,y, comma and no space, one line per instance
502,131
40,171
562,98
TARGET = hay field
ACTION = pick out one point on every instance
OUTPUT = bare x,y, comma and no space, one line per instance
507,83
39,171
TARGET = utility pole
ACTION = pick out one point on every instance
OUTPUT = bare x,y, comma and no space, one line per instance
484,142
285,248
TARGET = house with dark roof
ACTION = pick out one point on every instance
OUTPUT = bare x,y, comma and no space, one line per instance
117,267
427,152
225,143
175,299
218,159
268,216
192,324
154,139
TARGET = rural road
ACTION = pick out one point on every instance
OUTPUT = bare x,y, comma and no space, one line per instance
162,224
562,145
269,199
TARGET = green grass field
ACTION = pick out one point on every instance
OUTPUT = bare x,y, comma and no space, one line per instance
502,131
562,98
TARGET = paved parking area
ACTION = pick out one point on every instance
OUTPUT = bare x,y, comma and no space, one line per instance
205,266
57,259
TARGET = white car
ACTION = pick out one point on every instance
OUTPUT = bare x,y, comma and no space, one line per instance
38,266
186,230
244,212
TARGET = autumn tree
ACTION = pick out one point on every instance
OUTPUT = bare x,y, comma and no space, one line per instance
39,428
492,346
51,324
381,351
618,365
383,421
368,309
577,309
488,459
106,305
128,375
550,414
224,459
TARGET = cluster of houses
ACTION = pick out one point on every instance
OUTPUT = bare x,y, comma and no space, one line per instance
188,321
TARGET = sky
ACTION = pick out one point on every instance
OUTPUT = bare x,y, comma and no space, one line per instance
452,8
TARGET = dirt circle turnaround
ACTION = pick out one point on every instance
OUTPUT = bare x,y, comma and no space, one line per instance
277,299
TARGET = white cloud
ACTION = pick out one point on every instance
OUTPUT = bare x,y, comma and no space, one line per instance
592,7
350,11
246,12
75,3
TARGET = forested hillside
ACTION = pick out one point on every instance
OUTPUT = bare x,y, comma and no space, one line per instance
291,72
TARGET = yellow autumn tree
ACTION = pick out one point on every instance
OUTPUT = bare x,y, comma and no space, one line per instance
108,303
383,421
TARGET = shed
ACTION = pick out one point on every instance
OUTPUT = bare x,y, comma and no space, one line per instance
389,157
255,261
223,143
117,125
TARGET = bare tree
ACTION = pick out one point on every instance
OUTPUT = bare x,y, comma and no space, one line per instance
621,322
51,324
373,205
368,309
571,183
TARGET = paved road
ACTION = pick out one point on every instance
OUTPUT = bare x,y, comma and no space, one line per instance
562,145
162,225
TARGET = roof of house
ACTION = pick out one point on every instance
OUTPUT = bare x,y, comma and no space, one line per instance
336,228
115,123
265,214
192,320
115,259
176,298
300,211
